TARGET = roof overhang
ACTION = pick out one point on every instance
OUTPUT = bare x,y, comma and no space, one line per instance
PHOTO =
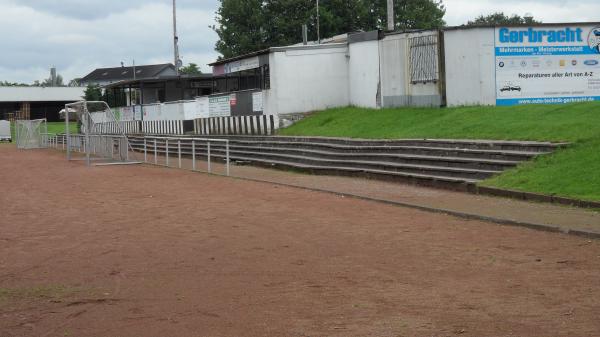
137,83
41,94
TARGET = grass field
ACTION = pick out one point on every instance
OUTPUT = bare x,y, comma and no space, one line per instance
59,127
53,127
571,172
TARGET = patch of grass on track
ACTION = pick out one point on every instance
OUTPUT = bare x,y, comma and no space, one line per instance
571,172
52,292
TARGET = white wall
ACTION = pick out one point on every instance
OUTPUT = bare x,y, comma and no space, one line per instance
307,79
364,73
470,67
396,86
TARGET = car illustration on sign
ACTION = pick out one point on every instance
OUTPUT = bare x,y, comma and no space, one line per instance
510,88
590,62
594,39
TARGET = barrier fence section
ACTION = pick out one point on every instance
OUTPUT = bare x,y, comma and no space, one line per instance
115,146
235,125
129,127
103,146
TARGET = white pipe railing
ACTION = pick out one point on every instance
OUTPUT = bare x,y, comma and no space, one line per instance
104,145
157,140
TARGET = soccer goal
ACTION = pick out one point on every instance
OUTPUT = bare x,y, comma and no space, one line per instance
100,138
30,134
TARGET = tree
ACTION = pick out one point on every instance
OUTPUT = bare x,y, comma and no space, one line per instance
240,27
245,26
190,69
12,84
408,14
499,18
48,82
92,93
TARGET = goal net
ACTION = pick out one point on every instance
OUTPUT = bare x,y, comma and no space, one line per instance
29,134
100,138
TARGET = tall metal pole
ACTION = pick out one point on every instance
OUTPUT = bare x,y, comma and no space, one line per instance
67,132
318,25
390,15
175,38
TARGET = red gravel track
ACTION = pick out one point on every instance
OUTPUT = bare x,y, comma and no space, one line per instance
143,251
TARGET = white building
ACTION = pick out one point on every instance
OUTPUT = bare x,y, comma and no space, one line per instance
546,63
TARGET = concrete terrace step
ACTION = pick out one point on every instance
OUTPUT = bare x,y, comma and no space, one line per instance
372,165
447,162
468,167
421,179
529,146
503,155
474,163
252,157
507,155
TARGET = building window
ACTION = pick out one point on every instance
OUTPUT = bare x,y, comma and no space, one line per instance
266,77
251,79
424,59
233,82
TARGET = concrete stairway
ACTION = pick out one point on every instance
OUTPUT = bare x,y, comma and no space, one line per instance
456,164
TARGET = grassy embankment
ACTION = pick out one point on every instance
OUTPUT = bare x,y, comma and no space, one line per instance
571,172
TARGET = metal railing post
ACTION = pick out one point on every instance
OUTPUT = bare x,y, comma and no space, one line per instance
193,155
179,152
155,153
167,150
208,154
145,151
227,157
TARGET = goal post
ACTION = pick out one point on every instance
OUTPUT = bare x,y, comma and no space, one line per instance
95,119
29,134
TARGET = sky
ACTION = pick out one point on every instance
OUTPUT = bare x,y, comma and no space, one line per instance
77,36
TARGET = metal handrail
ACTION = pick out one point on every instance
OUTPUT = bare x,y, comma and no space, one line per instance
193,140
151,144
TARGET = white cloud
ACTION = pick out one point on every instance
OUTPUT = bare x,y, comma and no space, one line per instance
461,11
77,44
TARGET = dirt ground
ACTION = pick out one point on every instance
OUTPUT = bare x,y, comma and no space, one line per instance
145,251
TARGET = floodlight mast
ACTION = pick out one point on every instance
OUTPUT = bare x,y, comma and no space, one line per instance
390,15
175,39
318,25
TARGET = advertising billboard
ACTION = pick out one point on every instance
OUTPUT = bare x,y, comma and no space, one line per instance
547,64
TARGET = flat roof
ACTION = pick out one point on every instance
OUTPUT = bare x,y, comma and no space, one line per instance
241,57
41,94
160,79
282,48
